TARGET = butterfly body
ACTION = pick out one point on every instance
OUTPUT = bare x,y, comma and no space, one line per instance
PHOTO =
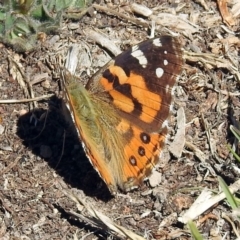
120,115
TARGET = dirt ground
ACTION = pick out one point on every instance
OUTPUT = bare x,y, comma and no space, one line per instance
42,163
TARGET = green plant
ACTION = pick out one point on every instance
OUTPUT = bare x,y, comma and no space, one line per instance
22,21
194,231
236,133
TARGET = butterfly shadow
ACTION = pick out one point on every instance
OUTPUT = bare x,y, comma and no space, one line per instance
53,137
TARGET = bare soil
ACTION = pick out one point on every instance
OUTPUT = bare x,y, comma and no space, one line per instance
40,153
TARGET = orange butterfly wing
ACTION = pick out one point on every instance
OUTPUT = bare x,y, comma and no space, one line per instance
128,104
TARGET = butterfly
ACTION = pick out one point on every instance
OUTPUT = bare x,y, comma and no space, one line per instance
121,114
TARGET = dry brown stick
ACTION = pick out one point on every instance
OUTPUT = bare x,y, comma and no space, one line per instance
98,219
206,201
103,41
236,231
10,166
24,83
209,59
226,15
12,101
110,11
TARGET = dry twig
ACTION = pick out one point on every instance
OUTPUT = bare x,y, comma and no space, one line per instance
13,101
226,15
99,220
206,201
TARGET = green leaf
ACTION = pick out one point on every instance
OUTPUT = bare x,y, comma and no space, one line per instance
194,231
235,131
234,153
22,20
229,196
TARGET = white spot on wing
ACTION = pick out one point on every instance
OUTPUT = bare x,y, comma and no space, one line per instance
157,42
165,52
165,62
135,48
167,88
140,57
171,108
165,124
159,72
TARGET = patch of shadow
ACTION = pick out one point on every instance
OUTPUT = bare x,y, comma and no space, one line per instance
52,136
